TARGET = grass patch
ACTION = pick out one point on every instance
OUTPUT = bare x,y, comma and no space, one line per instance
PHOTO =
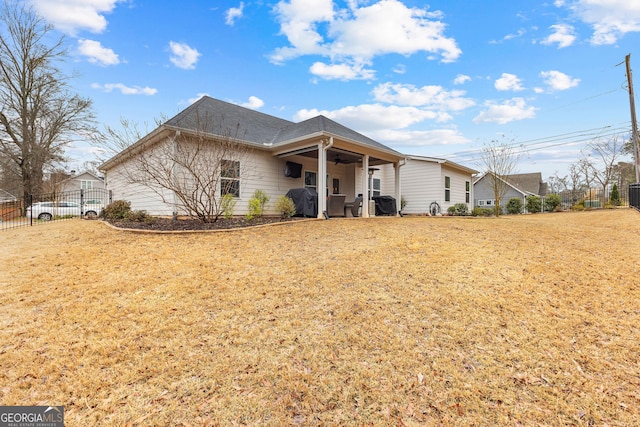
530,319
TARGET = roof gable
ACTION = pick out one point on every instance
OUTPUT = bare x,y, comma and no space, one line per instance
322,124
528,182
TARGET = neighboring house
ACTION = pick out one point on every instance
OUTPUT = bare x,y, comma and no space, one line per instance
428,179
82,181
5,196
283,155
518,186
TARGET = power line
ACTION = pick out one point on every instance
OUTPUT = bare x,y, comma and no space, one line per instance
538,144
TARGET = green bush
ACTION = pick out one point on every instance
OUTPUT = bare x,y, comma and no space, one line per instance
227,205
460,209
478,211
403,202
534,204
263,199
514,206
255,208
615,196
118,210
451,210
552,202
286,207
257,203
139,216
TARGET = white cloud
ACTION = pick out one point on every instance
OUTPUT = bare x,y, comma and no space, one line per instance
254,103
433,97
419,138
358,34
558,80
71,16
521,32
183,56
505,112
563,34
388,124
125,90
368,118
400,69
96,53
461,79
508,82
233,14
341,71
197,97
610,19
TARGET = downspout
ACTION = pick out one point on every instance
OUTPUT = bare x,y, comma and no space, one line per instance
322,179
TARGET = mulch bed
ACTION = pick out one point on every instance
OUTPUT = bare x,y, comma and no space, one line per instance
168,224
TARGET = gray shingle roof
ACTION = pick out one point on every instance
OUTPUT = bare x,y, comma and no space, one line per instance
530,182
221,118
230,120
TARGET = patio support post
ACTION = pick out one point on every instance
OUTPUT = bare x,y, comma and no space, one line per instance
365,186
320,182
398,195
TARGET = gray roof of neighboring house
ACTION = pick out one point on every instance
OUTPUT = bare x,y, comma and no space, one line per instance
221,118
529,182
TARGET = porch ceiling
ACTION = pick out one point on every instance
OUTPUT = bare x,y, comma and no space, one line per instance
336,156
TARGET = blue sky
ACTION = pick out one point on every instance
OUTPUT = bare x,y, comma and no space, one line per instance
432,78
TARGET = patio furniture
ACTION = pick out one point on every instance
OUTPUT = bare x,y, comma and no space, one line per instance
354,207
305,200
335,206
385,205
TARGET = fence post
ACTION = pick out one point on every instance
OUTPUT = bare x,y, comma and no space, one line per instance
30,198
81,203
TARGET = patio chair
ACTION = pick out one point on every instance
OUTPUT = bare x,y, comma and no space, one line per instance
336,205
354,206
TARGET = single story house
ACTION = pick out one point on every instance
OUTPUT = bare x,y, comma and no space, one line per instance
274,155
432,185
518,186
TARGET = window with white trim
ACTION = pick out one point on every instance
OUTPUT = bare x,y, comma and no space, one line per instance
230,178
467,188
86,185
447,189
376,187
311,180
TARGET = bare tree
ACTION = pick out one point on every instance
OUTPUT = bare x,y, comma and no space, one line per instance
39,115
557,183
602,166
192,170
500,160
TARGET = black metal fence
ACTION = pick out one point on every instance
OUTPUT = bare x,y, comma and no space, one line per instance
43,208
594,198
634,196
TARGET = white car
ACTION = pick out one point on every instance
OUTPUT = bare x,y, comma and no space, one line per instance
46,211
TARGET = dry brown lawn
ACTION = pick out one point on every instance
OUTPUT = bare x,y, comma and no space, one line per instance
523,320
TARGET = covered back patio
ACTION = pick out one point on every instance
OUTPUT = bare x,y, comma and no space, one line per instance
352,171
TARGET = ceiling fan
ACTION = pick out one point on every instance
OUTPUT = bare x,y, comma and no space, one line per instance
338,160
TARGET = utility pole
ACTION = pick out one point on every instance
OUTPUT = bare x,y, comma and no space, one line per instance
634,126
